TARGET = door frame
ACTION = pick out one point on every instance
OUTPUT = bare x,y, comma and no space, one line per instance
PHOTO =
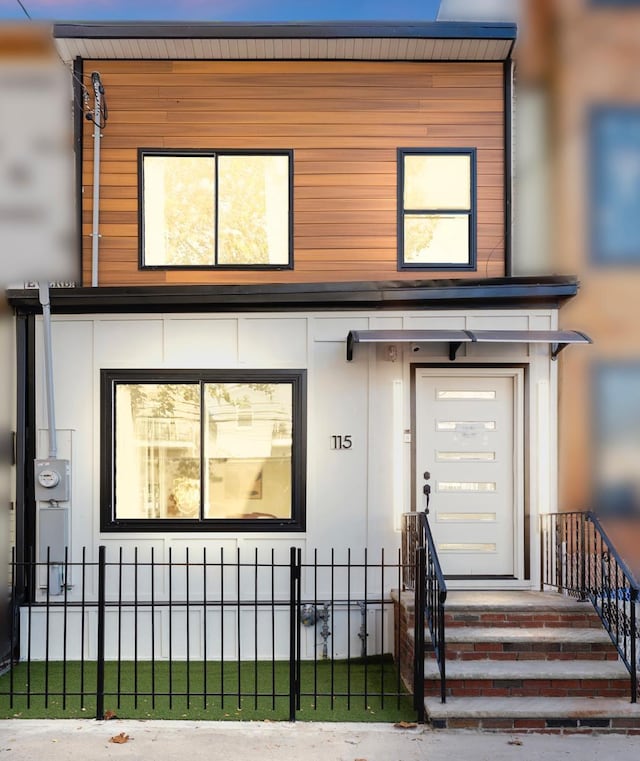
522,551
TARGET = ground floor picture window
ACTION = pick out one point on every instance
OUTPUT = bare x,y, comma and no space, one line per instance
220,449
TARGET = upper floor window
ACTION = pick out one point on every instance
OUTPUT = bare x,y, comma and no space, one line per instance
616,404
215,209
436,208
218,450
615,185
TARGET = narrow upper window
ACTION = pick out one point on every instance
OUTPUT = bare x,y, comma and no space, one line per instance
436,209
615,185
215,209
616,441
218,450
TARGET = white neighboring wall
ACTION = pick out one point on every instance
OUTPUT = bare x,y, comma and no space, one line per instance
479,10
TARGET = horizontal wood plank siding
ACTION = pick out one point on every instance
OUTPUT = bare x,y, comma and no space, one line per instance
343,120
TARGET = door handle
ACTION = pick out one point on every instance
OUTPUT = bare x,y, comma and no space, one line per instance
426,490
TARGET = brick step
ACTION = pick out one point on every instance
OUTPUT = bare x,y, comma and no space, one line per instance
507,643
518,610
547,714
585,618
529,678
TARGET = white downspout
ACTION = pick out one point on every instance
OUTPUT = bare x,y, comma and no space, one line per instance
96,118
48,367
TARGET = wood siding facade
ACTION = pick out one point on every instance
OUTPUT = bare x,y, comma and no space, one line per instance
344,122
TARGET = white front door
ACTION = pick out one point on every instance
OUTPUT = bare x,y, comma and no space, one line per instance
469,438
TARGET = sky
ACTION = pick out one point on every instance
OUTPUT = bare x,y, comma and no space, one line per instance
221,10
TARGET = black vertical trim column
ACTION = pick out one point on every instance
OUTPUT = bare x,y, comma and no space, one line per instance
78,127
25,447
508,166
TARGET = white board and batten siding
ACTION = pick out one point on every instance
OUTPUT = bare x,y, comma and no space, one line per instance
355,497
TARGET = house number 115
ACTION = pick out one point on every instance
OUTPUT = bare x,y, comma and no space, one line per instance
341,442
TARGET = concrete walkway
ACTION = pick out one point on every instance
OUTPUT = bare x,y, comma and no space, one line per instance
62,740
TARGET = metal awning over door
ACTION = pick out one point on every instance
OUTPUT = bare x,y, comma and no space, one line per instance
557,339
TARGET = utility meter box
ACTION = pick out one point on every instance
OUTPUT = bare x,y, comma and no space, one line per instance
52,480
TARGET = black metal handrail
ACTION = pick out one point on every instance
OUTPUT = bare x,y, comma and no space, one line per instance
430,598
579,558
435,598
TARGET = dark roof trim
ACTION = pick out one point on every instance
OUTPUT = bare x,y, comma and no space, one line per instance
497,293
437,30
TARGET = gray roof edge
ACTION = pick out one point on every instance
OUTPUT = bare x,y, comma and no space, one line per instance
292,30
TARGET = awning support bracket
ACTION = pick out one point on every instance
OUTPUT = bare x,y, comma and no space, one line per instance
350,343
556,349
453,349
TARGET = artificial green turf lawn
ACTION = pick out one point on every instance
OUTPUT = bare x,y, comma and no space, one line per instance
317,680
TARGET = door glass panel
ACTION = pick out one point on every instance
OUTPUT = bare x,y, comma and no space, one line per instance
467,547
466,517
462,394
466,486
460,426
465,456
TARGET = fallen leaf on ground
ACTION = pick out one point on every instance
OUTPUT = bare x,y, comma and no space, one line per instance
515,742
405,725
119,739
108,715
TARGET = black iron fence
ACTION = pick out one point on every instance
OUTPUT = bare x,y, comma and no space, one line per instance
579,558
218,633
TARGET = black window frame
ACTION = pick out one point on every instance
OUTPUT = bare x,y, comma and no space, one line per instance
471,213
210,153
110,378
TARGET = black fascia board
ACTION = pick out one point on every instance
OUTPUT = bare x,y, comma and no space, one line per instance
437,30
549,291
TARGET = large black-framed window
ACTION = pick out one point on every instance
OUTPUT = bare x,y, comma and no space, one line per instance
217,450
615,185
215,209
437,208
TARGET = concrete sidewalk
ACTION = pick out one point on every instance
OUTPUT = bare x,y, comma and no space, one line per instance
61,740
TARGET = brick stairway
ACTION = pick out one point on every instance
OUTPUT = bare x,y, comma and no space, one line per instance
528,661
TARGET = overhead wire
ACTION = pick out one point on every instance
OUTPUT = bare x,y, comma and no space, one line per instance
24,10
83,102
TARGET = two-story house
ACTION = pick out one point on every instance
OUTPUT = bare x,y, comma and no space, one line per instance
296,298
261,194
